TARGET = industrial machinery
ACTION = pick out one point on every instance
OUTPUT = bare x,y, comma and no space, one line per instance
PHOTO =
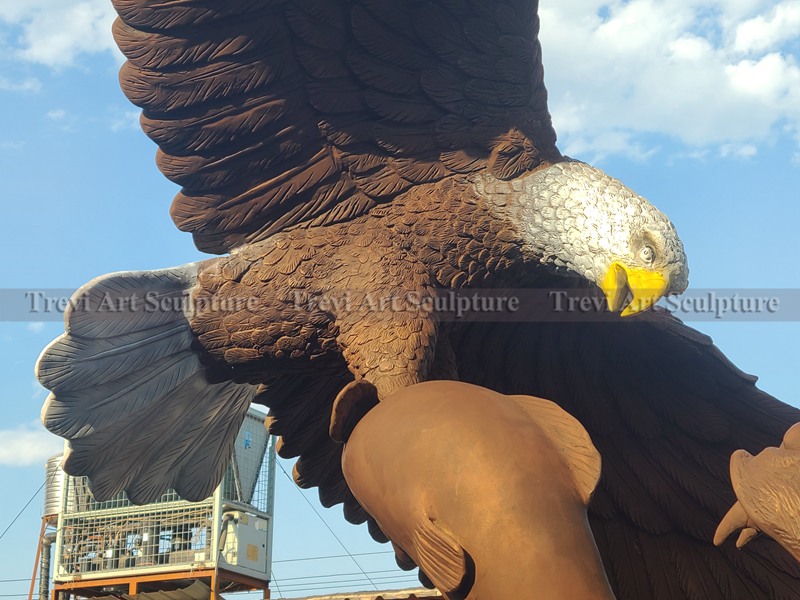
226,539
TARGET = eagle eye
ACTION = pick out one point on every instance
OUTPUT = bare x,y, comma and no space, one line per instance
647,254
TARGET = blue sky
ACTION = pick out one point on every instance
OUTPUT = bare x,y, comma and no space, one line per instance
696,105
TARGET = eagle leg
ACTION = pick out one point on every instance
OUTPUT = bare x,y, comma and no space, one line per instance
391,348
388,331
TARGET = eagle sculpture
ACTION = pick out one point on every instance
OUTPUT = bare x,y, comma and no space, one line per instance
335,152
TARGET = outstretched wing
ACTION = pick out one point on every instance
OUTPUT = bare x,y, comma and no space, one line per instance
272,113
665,409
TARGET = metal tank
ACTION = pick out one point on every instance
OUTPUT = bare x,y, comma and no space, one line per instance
54,486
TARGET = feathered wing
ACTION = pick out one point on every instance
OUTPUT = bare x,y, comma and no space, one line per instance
271,113
131,395
274,113
665,409
661,403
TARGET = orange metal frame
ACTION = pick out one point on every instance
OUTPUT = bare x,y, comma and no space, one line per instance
218,580
38,556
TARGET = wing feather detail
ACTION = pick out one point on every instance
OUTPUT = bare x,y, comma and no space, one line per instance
146,15
130,394
665,425
276,113
665,482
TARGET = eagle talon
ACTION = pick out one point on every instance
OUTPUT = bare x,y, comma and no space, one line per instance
735,519
355,400
767,488
747,534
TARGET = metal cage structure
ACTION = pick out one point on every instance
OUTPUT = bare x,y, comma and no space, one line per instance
100,545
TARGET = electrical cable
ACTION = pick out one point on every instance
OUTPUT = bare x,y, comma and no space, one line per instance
345,582
19,514
273,579
288,560
329,581
324,522
405,582
36,493
285,579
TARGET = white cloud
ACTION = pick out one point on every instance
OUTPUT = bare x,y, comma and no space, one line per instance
57,114
743,151
39,391
63,120
36,327
55,34
707,74
765,31
30,84
27,445
126,120
768,79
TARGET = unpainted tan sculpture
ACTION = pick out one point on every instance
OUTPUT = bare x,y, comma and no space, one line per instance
487,493
768,490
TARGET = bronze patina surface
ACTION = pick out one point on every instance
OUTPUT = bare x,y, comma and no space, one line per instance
350,159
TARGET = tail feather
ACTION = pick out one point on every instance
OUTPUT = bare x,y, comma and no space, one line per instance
130,301
214,416
130,393
79,413
184,442
74,363
220,433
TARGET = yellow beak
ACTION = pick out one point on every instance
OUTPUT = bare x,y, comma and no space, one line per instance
644,287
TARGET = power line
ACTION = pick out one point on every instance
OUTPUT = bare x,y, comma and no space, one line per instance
288,560
22,510
19,514
273,579
332,580
324,522
285,579
306,581
326,584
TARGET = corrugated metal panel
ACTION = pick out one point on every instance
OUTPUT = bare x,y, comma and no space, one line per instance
200,591
197,591
411,594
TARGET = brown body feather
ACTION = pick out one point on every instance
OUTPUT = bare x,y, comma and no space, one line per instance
665,447
329,145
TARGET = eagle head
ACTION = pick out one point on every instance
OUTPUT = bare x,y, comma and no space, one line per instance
574,217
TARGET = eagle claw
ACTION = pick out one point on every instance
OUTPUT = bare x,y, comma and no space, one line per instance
767,487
